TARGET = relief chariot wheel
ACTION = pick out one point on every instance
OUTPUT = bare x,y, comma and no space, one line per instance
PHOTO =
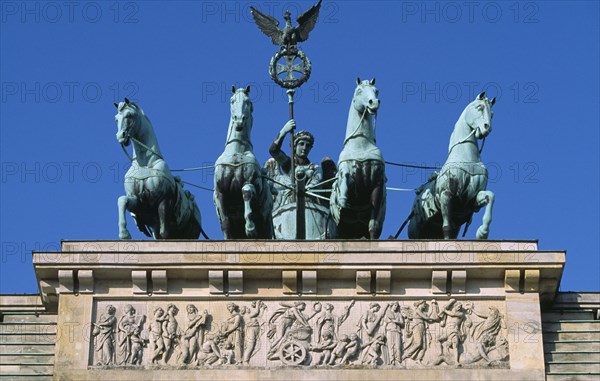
292,353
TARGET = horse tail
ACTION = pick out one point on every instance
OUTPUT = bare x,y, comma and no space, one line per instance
412,213
467,224
204,234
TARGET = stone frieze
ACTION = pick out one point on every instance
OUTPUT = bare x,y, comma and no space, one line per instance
302,333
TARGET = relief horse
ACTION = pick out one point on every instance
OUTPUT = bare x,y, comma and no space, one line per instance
451,197
358,195
156,200
242,195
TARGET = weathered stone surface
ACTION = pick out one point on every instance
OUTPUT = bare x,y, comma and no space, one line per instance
299,307
27,336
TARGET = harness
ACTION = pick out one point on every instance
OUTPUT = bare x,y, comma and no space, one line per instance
354,133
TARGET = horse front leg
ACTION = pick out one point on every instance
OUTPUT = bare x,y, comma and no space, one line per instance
376,200
125,203
219,200
485,198
248,193
343,184
446,209
165,210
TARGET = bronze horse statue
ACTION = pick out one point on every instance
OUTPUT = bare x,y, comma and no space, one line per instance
451,197
358,195
155,199
242,196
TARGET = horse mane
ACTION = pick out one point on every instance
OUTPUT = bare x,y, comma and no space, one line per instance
140,110
353,128
461,120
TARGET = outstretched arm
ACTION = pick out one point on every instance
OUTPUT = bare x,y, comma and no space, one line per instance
480,314
345,314
275,150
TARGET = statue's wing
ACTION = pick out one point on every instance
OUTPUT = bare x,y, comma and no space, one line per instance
307,21
328,168
268,25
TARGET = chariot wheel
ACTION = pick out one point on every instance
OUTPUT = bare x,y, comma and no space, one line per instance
292,353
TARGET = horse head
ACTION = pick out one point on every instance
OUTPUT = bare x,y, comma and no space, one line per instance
128,121
241,114
479,114
366,97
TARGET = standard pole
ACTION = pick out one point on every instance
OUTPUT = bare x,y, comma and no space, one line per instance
290,93
300,205
298,184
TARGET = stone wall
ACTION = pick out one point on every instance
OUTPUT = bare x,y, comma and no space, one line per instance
311,310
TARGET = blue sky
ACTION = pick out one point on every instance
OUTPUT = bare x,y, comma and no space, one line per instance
63,64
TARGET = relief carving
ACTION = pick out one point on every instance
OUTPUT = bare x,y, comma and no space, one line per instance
253,330
210,353
130,343
104,336
346,350
490,347
389,334
416,330
323,348
170,332
394,324
373,351
290,333
329,322
233,332
157,342
193,336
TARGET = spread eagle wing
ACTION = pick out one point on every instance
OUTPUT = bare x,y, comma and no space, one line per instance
268,25
329,170
307,21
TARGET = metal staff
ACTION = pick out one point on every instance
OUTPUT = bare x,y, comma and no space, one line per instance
287,39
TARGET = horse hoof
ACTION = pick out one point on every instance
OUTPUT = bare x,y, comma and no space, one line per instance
482,233
447,231
343,202
374,231
124,235
251,230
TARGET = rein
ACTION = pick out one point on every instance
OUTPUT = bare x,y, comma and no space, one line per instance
465,140
241,141
244,142
141,144
126,153
461,142
353,134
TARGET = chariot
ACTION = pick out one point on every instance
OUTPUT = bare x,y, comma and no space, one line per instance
294,350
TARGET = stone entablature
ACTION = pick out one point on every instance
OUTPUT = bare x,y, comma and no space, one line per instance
308,306
348,268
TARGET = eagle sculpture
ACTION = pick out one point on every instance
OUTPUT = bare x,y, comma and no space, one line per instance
288,36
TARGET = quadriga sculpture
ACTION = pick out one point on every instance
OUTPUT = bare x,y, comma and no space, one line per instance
451,197
358,194
242,195
159,205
